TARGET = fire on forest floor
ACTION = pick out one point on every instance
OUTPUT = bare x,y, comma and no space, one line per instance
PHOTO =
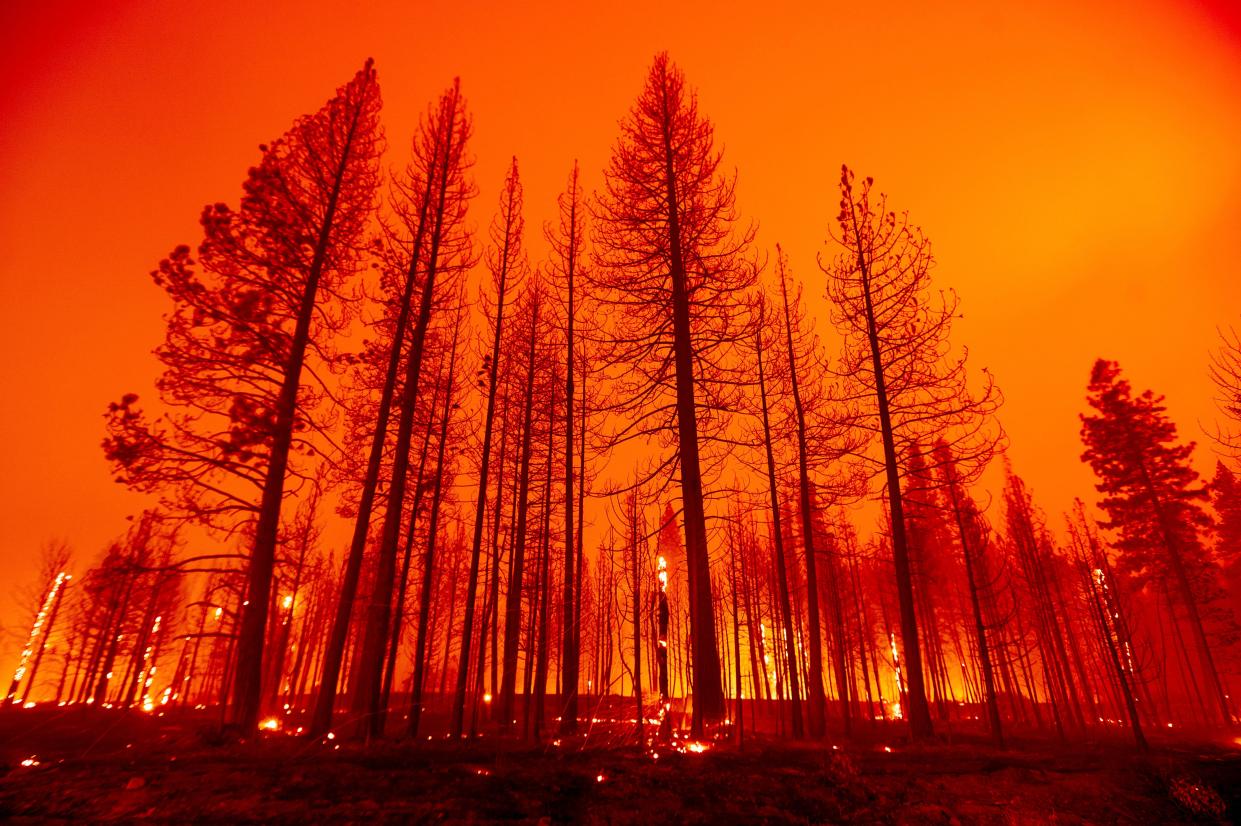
93,765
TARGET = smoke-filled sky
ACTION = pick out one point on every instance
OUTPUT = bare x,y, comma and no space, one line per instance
1077,166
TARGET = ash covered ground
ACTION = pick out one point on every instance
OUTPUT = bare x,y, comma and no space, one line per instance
74,765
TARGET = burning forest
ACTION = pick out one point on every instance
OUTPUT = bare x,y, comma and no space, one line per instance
640,511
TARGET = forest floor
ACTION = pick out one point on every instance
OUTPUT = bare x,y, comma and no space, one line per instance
99,765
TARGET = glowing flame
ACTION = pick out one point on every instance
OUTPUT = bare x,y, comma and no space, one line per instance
36,630
30,761
288,603
486,698
272,724
148,666
900,684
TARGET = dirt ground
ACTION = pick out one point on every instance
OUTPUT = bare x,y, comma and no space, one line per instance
98,765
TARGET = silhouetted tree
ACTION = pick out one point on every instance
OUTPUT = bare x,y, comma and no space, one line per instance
777,535
428,561
1225,372
506,262
673,272
448,252
430,195
972,539
237,342
1091,565
818,431
897,359
530,309
1150,498
568,246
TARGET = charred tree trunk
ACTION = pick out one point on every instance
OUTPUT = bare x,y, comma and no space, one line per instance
480,510
777,534
708,690
512,608
920,726
428,559
980,627
367,686
247,681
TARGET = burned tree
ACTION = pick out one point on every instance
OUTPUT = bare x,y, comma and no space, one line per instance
428,202
672,270
568,247
1152,501
448,252
897,362
507,263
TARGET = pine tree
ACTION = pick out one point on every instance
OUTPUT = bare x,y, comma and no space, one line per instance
1225,372
239,337
1151,498
897,359
972,539
448,252
1226,499
777,535
568,246
673,272
506,261
427,199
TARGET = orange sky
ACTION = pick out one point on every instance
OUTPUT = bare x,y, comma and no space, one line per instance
1078,166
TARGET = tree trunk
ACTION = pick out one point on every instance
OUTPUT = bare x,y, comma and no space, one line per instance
428,559
512,608
980,627
920,726
457,725
247,681
708,690
777,535
367,686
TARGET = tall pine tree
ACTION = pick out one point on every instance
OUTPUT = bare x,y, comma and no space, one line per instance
1151,498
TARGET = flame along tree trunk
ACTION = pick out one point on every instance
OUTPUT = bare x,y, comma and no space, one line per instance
897,353
919,713
1149,497
320,179
1083,541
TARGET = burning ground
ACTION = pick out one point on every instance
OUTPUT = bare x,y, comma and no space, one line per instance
94,765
